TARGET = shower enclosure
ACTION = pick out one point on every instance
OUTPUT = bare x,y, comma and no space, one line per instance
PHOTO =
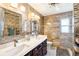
1,22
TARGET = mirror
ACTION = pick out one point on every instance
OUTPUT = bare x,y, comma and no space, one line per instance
10,25
12,22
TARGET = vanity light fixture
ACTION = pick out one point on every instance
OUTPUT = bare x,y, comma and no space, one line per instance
32,15
37,17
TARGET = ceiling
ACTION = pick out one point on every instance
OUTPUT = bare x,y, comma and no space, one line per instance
45,9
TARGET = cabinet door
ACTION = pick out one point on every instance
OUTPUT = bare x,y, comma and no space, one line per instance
44,47
40,50
29,54
35,52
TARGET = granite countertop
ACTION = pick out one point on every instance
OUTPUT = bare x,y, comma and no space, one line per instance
23,46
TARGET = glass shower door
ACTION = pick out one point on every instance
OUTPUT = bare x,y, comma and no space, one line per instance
1,22
1,28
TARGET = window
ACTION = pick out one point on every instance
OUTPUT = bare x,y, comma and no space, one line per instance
65,25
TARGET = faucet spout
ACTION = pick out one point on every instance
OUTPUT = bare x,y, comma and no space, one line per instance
15,41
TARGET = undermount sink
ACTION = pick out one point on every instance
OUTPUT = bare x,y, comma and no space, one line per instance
13,50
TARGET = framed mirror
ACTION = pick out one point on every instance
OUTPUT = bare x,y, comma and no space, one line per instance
10,25
12,22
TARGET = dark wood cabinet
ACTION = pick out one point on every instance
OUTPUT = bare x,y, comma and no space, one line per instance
29,54
40,50
44,48
35,52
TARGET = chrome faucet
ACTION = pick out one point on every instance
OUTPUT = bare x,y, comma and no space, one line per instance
15,41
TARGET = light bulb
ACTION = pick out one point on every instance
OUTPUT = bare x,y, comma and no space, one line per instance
37,17
22,8
48,23
32,14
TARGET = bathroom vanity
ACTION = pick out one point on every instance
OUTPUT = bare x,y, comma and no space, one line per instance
33,47
39,50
